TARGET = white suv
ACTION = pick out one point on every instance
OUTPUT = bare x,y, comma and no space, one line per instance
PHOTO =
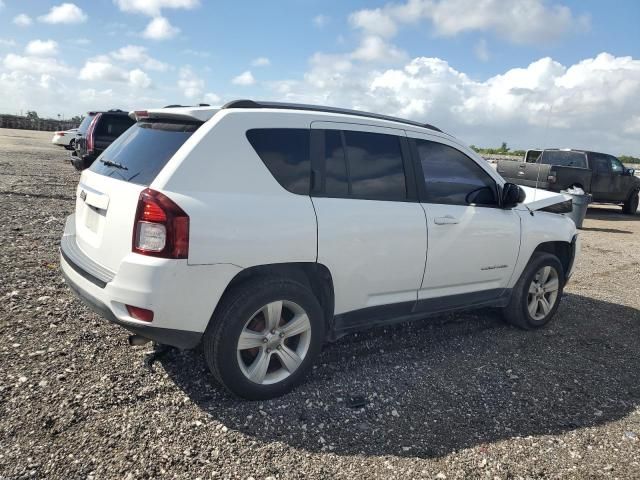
262,230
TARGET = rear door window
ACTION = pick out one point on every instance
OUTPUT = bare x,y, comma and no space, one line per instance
374,162
142,151
564,159
285,152
600,164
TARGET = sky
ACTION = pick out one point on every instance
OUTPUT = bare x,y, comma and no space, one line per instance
532,73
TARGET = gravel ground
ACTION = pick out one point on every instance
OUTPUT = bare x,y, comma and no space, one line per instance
460,396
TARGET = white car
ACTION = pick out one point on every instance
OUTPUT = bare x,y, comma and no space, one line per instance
66,139
262,230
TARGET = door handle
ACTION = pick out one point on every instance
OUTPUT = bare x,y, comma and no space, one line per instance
446,220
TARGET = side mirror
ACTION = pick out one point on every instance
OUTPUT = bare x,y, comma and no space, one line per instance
512,195
629,171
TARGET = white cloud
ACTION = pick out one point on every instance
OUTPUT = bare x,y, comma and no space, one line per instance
374,22
245,79
159,28
212,99
481,50
101,69
153,8
139,79
196,53
190,83
515,106
138,55
30,64
260,62
321,20
7,42
43,48
520,21
375,49
22,20
64,13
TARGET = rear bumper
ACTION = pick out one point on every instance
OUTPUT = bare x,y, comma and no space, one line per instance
166,336
182,297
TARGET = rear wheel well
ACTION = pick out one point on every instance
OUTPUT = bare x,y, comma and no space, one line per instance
562,250
313,275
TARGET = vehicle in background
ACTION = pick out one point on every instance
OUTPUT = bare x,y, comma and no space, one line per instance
532,156
97,131
600,174
261,230
66,139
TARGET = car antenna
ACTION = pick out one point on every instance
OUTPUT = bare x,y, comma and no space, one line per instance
544,136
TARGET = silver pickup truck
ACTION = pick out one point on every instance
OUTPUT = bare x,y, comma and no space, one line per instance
600,174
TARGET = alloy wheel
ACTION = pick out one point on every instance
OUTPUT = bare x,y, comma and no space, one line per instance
543,292
274,342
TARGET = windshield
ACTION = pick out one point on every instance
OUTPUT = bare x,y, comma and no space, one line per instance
564,158
138,155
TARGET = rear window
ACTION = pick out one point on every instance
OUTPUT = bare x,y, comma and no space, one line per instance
113,125
285,152
84,125
564,159
141,152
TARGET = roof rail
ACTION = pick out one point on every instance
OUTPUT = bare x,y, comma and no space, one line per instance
319,108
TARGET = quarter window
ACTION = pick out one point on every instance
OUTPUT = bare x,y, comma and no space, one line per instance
285,152
453,178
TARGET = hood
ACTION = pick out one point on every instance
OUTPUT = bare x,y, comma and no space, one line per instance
537,198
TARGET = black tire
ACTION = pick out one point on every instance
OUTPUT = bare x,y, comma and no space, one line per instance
240,305
630,207
517,311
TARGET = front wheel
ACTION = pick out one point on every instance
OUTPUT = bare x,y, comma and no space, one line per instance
630,207
264,337
536,296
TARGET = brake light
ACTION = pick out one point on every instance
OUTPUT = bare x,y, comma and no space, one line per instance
551,179
60,133
91,133
161,228
140,313
139,114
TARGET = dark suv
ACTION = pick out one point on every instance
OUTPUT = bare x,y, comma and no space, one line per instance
97,131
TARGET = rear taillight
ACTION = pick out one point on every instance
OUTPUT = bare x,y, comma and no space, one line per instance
161,228
91,133
551,179
60,134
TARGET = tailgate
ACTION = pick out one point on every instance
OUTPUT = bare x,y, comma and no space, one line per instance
105,210
528,174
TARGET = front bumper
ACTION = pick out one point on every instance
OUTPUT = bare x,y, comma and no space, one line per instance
576,247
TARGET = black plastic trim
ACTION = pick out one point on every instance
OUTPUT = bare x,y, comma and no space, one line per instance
184,339
83,265
371,317
321,108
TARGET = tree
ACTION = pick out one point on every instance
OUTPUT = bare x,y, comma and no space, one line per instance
504,148
32,115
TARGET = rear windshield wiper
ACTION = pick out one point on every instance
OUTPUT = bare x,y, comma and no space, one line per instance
109,163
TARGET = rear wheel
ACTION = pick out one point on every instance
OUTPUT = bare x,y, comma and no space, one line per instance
264,337
71,145
536,296
630,207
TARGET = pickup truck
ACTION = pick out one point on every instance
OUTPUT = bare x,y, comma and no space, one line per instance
600,174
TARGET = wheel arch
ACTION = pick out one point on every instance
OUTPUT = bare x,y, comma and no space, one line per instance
314,275
562,250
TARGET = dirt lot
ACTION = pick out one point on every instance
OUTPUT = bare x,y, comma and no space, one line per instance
461,396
